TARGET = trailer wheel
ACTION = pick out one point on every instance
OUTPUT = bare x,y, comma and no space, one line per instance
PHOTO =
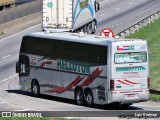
35,88
94,27
89,29
89,98
79,97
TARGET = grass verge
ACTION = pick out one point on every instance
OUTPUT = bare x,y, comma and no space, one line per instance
151,33
1,33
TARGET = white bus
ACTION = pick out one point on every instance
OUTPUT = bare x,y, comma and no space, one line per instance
88,69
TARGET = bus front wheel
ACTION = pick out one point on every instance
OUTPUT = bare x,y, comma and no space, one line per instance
79,97
35,88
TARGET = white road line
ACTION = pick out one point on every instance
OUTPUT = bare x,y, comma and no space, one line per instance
117,9
1,81
130,3
2,102
4,80
24,109
6,56
19,32
104,1
121,23
142,12
102,15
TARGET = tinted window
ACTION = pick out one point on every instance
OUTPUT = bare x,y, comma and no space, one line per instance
93,54
56,51
37,46
87,53
68,50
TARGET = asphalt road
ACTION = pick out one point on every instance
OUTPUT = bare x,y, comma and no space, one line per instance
113,13
122,14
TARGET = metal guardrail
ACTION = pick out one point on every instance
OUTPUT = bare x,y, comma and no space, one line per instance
139,25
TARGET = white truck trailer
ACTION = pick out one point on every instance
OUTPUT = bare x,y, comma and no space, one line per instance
71,15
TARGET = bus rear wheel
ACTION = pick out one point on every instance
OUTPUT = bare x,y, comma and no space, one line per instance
89,98
79,97
35,89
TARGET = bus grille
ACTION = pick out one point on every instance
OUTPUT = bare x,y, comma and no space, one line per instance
101,93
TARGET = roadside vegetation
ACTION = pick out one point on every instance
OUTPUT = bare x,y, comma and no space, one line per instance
1,33
151,33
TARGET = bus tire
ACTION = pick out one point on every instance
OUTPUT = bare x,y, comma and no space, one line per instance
35,88
79,97
89,98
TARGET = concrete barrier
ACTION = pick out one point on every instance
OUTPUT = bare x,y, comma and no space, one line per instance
20,22
20,11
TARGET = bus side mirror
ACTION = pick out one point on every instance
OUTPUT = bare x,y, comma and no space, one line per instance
17,67
97,7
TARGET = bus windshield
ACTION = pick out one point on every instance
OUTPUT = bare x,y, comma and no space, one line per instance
131,57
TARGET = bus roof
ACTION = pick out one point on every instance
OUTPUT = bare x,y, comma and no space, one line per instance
76,37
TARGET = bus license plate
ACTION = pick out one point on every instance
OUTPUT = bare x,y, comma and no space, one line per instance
131,95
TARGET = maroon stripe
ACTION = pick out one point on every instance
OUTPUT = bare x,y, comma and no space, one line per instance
44,63
131,82
70,86
90,79
122,82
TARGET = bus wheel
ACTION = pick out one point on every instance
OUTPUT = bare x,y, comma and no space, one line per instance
89,98
79,97
35,88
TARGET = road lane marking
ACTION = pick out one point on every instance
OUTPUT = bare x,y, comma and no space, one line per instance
25,109
1,81
6,56
19,32
130,3
4,80
102,15
117,9
2,102
104,1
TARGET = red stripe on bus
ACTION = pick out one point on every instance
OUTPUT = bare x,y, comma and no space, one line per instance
131,82
44,63
90,79
122,82
70,86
